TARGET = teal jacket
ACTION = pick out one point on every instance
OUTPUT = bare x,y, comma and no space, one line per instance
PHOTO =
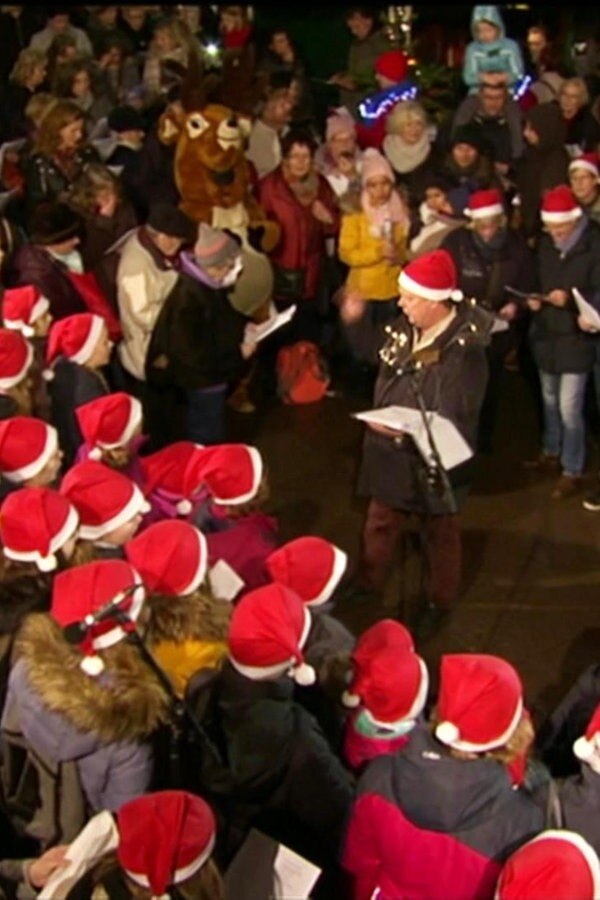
501,55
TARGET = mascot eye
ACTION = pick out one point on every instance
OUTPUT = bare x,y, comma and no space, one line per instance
196,125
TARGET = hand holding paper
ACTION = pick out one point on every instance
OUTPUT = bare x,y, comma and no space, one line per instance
586,312
260,332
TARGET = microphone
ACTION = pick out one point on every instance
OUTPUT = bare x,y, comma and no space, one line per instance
75,632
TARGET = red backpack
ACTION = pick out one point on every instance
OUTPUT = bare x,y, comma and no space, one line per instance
302,375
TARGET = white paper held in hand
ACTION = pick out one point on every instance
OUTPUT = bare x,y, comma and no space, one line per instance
586,310
452,447
99,836
294,876
225,581
263,330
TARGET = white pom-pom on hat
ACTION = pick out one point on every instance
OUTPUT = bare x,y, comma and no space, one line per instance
27,331
456,296
584,749
92,665
184,507
48,374
47,563
95,453
304,675
350,700
447,733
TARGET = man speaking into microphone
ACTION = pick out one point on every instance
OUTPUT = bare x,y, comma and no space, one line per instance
431,358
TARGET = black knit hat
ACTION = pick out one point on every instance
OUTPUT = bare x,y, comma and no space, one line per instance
125,118
53,223
467,134
168,219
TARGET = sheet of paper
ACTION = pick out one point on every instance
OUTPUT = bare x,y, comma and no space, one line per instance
225,581
274,323
294,876
586,309
451,445
99,836
499,325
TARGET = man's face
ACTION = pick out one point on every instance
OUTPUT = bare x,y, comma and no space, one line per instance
359,25
559,231
421,313
464,155
58,24
536,42
492,99
584,184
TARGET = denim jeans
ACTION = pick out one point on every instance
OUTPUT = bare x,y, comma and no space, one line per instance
206,415
564,429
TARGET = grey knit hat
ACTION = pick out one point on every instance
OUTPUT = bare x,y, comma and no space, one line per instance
214,247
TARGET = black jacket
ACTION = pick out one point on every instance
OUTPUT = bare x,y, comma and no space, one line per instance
557,342
45,181
453,384
542,166
72,386
196,340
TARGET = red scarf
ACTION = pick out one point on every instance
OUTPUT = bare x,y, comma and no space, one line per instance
233,40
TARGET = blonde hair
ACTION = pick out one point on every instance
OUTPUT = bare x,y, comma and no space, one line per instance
63,113
581,86
37,107
27,61
519,743
403,114
84,192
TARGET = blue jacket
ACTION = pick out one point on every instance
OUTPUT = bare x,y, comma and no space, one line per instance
501,55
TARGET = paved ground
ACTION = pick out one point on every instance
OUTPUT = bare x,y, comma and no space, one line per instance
532,565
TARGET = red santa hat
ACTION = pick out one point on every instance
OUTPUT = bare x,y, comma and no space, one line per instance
267,632
16,356
176,470
74,337
480,702
164,839
431,276
555,864
171,557
310,566
80,597
384,637
34,524
105,499
109,422
22,307
559,205
587,747
232,472
483,204
393,65
392,688
587,161
26,446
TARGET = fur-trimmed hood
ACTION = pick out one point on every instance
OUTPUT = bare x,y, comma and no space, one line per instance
125,703
198,616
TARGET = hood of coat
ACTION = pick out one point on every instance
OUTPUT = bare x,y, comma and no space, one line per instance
548,123
21,596
459,794
197,616
125,703
487,14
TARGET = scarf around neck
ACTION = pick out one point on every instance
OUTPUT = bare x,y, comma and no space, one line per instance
406,157
382,218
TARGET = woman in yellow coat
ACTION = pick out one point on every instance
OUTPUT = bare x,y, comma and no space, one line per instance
373,239
186,627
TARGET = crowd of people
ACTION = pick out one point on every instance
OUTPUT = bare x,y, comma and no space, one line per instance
172,676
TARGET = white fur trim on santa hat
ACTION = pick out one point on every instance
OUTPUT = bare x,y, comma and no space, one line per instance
200,573
87,348
7,383
406,282
286,667
494,209
49,562
449,734
116,634
134,420
41,306
179,875
136,505
340,563
584,164
586,850
567,215
417,704
257,473
33,468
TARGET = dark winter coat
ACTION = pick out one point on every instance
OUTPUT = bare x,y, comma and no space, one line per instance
72,386
557,342
428,825
452,381
583,130
195,342
279,757
128,160
45,181
500,135
542,166
103,723
33,264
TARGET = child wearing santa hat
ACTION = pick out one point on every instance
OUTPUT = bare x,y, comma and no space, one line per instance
556,863
278,756
186,626
165,848
110,508
80,692
78,349
373,238
29,453
388,690
448,796
26,310
172,480
16,382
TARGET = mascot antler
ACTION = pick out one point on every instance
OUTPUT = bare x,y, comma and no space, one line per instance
197,90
